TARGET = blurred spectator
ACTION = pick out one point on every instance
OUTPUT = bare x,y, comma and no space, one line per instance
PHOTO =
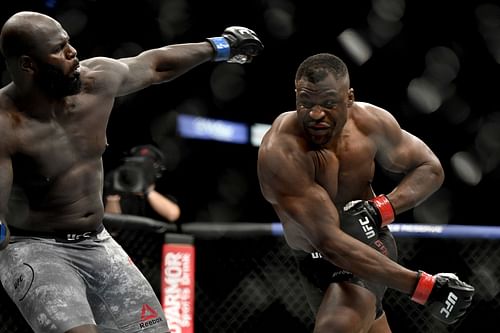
130,188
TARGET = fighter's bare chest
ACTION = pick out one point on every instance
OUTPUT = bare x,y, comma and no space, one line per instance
53,146
347,171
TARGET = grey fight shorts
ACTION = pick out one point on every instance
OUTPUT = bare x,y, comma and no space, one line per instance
58,285
317,273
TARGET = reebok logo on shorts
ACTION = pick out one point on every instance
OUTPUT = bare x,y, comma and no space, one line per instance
149,317
148,313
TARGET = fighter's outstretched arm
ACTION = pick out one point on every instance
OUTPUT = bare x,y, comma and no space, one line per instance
154,66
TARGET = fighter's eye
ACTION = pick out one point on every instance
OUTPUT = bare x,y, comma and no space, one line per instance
330,104
306,105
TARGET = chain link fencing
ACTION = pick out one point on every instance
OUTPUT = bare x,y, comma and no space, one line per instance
248,281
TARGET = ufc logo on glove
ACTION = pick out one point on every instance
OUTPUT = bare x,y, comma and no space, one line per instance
449,304
367,228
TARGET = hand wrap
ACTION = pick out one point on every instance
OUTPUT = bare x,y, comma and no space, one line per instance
385,211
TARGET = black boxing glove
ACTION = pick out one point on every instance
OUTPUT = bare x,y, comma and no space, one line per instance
446,296
237,45
4,235
362,219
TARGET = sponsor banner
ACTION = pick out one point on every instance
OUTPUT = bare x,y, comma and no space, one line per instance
178,286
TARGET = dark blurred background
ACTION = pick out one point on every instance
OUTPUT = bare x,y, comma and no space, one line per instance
433,64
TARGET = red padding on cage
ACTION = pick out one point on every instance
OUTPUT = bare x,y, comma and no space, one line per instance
177,286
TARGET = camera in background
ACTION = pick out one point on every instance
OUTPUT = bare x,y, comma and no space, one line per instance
138,171
134,176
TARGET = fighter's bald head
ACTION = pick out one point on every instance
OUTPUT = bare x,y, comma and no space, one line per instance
24,31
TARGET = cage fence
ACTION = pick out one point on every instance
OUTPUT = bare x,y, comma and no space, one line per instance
247,281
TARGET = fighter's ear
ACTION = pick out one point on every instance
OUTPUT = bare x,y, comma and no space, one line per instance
350,97
26,64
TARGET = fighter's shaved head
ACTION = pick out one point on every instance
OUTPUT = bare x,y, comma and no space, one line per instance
20,31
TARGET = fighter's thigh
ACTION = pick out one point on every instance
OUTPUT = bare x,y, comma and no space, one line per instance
47,291
128,302
346,307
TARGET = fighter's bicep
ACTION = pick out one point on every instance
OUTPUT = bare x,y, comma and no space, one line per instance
299,199
404,153
138,75
282,175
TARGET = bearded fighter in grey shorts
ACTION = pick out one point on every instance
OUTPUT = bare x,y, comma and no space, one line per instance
61,268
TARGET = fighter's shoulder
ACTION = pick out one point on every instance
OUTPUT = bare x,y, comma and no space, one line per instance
365,109
7,107
370,116
102,63
283,127
9,117
283,141
101,72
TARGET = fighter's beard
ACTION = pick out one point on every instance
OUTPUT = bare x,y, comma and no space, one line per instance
55,84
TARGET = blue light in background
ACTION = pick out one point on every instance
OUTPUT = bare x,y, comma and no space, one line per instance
50,3
196,127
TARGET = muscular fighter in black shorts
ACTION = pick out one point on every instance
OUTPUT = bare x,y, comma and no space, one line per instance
316,167
61,267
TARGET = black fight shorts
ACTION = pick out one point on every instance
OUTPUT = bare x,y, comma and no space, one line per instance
317,273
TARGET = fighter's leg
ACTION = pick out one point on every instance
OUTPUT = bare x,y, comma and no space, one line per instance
50,294
84,329
346,308
125,302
